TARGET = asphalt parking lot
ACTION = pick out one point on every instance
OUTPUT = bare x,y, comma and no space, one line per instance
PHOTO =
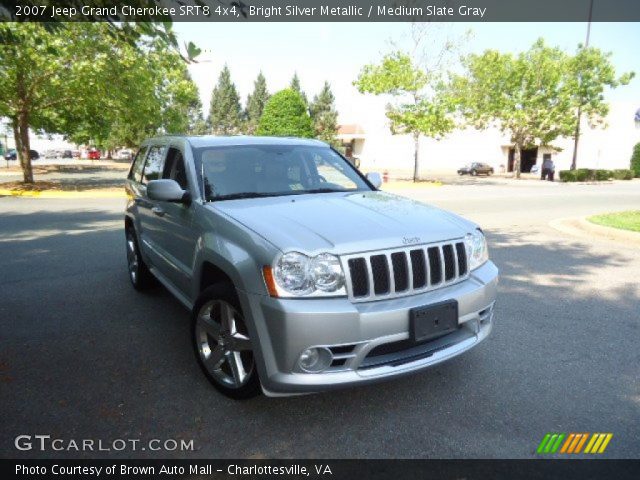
82,355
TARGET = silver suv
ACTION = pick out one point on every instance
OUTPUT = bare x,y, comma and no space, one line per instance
300,274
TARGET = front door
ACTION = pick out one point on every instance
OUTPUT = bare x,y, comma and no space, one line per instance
176,239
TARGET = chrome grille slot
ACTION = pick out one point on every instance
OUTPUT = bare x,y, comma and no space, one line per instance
405,271
380,271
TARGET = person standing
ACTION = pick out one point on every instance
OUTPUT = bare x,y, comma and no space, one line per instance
552,170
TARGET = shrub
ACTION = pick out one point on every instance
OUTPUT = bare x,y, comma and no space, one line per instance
635,160
602,175
285,115
623,174
588,175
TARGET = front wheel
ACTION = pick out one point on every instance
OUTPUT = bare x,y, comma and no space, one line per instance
222,345
139,274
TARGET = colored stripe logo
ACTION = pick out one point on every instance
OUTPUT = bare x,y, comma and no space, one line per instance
574,443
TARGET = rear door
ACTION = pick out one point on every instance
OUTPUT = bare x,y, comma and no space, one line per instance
149,211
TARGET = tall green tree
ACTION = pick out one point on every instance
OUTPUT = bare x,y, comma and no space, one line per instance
295,86
418,107
255,104
225,113
50,77
285,115
88,81
525,96
324,115
589,73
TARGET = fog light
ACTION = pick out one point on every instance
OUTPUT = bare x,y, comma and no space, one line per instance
315,359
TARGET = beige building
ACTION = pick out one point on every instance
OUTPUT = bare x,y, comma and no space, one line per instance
371,141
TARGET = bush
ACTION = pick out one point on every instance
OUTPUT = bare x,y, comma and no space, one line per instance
635,160
285,115
588,175
602,175
622,174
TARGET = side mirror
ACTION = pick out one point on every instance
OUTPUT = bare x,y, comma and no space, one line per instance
167,191
375,179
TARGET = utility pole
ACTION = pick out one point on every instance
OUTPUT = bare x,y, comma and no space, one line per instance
577,133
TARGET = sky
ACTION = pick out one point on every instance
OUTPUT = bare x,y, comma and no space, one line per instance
336,52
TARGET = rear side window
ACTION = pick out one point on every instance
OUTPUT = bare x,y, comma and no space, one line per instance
174,168
153,167
135,173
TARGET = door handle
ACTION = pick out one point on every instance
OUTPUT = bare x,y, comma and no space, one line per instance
158,211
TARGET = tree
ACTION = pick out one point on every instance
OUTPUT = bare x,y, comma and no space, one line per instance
47,78
285,115
225,111
635,160
589,72
295,86
419,109
255,104
527,96
324,115
87,82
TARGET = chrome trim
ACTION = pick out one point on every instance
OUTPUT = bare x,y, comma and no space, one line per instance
344,260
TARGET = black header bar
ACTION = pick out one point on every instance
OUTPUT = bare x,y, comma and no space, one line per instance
322,10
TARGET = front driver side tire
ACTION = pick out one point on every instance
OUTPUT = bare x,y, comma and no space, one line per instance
139,274
222,344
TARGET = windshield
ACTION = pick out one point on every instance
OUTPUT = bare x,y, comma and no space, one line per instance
249,171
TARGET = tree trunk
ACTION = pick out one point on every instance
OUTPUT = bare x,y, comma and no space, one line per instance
416,157
516,160
576,139
23,145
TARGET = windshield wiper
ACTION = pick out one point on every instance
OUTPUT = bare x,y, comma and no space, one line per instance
236,196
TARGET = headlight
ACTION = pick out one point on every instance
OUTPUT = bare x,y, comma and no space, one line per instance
296,274
477,250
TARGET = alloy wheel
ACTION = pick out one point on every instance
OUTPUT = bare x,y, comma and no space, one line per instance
223,344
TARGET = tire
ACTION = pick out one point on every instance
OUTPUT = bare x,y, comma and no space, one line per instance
139,274
474,173
221,343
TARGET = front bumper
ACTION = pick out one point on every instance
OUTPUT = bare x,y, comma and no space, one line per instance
286,327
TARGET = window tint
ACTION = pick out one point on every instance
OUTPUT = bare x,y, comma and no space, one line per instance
138,163
153,167
174,168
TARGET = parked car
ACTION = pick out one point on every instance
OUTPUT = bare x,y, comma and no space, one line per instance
13,155
75,153
67,154
124,154
300,275
51,154
93,154
476,168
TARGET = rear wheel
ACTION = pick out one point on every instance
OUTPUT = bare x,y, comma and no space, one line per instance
139,273
221,342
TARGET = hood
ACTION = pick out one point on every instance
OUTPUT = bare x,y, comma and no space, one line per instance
343,223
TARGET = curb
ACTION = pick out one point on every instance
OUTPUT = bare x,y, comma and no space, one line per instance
59,194
581,227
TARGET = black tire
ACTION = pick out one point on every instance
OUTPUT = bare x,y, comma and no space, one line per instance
139,274
214,297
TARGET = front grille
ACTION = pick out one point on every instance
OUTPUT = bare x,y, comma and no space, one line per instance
406,271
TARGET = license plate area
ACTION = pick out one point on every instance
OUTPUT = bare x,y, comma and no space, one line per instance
433,320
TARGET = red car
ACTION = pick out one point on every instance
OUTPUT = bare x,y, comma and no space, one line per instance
94,155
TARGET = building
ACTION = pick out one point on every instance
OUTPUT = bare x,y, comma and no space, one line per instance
370,140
